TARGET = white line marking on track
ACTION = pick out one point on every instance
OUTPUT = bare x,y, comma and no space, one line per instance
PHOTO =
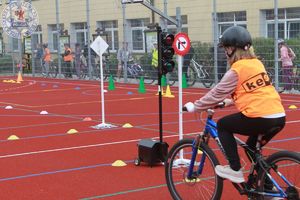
81,147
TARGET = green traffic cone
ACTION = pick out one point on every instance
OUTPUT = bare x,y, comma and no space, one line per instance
111,84
163,81
142,86
184,83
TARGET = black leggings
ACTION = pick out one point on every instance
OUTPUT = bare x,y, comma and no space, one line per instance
252,127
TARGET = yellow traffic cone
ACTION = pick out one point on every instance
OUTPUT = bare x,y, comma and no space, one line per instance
168,93
19,79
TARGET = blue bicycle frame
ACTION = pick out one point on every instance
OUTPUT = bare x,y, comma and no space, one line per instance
211,130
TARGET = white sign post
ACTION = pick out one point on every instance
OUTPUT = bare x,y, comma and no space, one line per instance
100,46
181,46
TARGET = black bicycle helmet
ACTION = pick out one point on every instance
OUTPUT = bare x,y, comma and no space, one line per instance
236,36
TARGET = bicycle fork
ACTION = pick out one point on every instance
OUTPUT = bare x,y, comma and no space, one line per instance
196,144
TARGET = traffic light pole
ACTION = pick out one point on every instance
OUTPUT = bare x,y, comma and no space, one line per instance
159,73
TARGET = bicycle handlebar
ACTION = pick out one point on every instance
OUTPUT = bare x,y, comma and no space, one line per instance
190,107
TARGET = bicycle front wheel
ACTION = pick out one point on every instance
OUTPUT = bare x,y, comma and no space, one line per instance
284,164
205,184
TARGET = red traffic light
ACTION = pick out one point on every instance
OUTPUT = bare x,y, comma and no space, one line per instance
168,40
167,52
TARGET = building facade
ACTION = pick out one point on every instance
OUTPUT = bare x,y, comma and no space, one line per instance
129,22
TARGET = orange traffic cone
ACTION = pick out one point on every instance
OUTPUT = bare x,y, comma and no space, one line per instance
19,79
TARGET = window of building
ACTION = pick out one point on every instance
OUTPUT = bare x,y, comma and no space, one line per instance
228,19
37,37
52,36
80,33
137,28
288,23
15,44
110,32
4,1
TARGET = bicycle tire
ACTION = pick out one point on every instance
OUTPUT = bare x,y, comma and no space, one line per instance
208,80
96,72
82,74
191,76
181,188
150,74
173,77
53,71
148,79
288,164
106,75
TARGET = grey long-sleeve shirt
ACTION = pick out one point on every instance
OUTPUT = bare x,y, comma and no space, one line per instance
222,90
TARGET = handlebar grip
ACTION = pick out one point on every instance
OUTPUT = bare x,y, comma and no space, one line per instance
189,107
220,105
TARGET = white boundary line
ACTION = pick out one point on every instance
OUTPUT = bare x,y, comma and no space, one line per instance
81,147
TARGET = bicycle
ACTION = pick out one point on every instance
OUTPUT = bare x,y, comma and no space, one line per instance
53,70
295,80
107,71
195,72
296,77
193,176
136,71
83,69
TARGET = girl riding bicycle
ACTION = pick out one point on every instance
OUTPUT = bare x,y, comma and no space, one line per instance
259,105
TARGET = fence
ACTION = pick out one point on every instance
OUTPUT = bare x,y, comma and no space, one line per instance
80,22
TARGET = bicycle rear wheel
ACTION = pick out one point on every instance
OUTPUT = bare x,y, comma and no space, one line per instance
203,185
287,164
150,75
173,77
191,76
53,71
208,79
83,72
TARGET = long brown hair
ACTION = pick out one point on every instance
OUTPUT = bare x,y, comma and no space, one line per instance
240,54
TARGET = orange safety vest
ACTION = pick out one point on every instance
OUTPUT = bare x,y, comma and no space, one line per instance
69,57
47,57
255,96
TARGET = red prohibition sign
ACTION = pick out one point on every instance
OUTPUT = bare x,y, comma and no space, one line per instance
181,44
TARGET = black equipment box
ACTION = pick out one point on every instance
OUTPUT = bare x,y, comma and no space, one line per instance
151,152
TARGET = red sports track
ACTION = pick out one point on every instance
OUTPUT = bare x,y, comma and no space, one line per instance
47,163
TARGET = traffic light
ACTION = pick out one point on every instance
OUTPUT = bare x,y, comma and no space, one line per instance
167,53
